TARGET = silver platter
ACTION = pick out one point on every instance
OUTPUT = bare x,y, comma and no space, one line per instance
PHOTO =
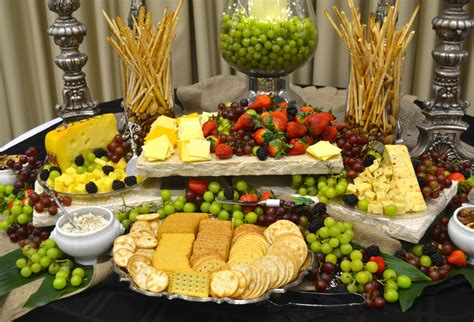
308,266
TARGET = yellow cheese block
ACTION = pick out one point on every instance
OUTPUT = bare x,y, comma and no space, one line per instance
323,150
187,116
194,150
160,130
165,121
158,149
190,128
63,144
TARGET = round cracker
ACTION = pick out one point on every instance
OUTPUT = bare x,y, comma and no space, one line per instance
281,227
140,225
157,281
270,265
145,239
136,262
122,245
224,283
242,283
281,270
298,245
122,256
126,239
148,217
250,275
142,275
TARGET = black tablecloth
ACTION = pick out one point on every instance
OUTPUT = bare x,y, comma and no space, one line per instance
450,301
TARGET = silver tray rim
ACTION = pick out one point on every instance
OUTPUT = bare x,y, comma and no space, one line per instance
124,277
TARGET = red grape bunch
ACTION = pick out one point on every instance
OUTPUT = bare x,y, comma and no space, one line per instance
26,168
354,152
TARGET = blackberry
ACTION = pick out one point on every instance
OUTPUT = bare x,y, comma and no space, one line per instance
44,175
107,169
416,163
55,168
369,160
291,118
421,181
372,250
400,254
79,160
117,185
91,187
466,173
99,153
429,249
229,193
337,289
315,224
350,200
291,110
319,209
130,181
438,259
262,154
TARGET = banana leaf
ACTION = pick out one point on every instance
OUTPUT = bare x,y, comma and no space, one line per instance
10,277
408,296
46,293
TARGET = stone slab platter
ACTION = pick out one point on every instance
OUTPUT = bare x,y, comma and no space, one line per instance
238,166
409,228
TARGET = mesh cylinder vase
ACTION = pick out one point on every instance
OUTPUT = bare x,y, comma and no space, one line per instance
267,40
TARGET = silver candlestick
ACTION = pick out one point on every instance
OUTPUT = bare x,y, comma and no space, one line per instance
135,11
442,127
68,34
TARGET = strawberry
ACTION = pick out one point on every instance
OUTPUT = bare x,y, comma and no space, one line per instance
261,103
248,198
214,141
245,122
223,151
209,127
283,104
267,195
308,140
326,115
457,258
316,124
299,147
296,130
277,148
306,109
456,176
265,118
329,134
262,136
380,262
197,185
300,118
25,200
280,121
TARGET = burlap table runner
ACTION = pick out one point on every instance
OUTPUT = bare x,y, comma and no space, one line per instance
11,305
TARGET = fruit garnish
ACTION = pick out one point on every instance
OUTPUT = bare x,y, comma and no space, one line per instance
457,258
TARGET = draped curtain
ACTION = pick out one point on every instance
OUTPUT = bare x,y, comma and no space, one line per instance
30,83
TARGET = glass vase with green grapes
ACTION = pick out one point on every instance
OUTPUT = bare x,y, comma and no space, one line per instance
267,40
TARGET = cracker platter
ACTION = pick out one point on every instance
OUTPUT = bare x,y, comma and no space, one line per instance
201,259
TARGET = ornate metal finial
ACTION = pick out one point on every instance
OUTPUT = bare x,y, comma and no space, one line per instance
68,34
135,11
442,127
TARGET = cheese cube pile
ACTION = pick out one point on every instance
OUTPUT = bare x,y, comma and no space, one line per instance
391,182
70,181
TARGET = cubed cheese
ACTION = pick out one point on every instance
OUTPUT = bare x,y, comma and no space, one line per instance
369,195
351,189
375,208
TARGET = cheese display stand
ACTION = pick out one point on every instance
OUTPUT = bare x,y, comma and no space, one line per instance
264,202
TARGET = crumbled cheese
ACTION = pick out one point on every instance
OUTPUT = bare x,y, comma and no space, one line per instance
85,223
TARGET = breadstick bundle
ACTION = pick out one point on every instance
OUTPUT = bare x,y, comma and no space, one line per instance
145,52
377,54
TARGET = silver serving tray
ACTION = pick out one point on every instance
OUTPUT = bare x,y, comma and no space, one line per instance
308,266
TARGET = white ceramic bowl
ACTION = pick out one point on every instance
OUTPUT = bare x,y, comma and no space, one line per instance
7,177
85,247
461,235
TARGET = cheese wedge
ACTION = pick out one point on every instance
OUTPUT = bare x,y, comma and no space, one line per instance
63,144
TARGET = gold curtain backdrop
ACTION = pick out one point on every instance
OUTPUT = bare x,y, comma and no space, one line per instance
30,83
